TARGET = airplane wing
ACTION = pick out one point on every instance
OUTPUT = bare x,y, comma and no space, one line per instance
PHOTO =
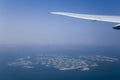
114,19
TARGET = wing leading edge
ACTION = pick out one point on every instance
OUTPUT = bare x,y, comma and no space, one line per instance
114,19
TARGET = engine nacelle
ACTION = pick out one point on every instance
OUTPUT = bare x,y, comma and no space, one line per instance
117,27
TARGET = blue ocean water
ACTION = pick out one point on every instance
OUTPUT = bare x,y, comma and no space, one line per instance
106,71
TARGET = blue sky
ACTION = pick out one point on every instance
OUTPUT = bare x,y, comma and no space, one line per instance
29,22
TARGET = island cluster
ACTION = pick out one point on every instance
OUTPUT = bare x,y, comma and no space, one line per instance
83,63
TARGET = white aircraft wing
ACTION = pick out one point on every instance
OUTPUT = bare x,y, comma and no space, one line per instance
114,19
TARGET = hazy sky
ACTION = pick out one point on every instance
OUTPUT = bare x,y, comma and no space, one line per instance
29,22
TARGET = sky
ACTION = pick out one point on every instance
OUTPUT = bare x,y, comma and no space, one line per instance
27,22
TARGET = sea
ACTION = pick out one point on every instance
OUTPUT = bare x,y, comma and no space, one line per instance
106,71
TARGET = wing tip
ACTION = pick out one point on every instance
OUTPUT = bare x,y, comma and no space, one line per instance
58,13
55,12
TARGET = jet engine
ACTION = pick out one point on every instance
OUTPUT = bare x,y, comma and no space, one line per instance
117,27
